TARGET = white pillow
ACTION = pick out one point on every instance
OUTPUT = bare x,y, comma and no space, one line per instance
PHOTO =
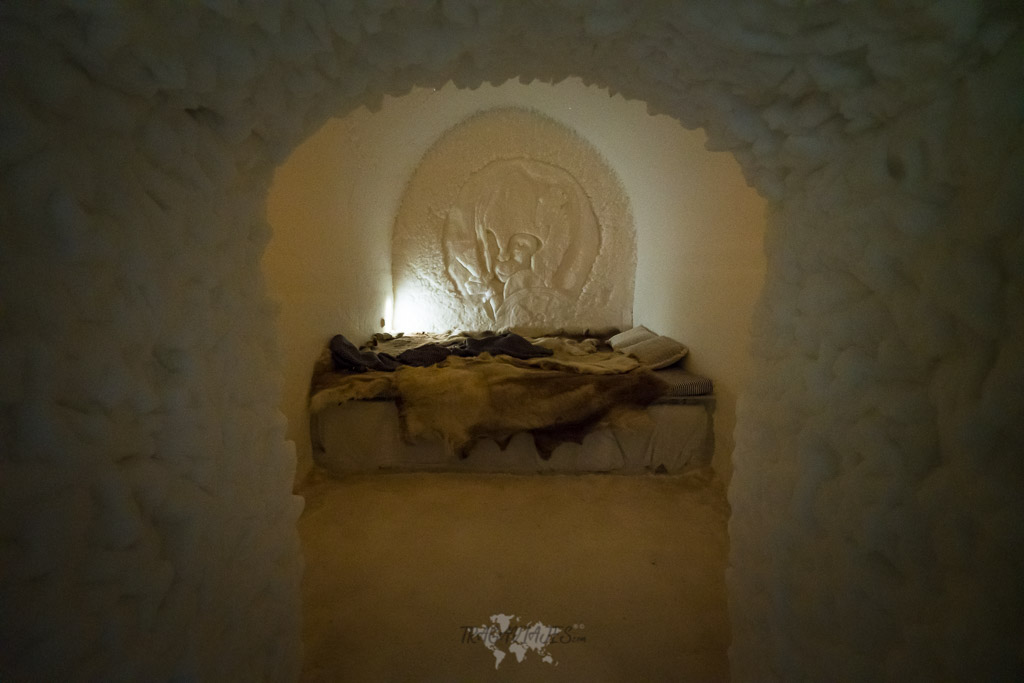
652,350
630,337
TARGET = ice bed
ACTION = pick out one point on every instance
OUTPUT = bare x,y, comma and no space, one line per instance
583,407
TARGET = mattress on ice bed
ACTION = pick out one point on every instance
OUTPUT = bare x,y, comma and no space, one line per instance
672,435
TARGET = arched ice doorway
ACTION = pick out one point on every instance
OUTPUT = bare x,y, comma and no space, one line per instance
332,207
445,552
150,528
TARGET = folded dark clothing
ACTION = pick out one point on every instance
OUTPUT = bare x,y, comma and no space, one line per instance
508,344
347,358
429,354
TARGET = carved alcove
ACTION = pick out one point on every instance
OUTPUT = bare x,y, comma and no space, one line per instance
513,220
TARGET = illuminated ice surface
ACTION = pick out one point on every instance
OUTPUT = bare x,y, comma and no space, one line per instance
512,220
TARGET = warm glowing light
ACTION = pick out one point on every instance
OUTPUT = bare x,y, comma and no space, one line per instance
417,309
389,314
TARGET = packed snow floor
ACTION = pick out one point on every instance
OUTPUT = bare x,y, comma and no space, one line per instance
399,568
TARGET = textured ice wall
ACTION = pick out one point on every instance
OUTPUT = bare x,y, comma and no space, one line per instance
877,528
513,220
147,528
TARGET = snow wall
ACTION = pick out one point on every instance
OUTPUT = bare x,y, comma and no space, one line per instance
146,520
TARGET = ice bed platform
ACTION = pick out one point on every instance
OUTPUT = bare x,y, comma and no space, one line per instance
672,435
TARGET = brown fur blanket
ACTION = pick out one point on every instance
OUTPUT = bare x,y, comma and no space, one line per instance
467,399
464,400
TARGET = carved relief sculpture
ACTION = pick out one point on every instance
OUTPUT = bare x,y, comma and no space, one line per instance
511,219
520,242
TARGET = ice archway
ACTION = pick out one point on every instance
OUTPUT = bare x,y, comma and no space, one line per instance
147,525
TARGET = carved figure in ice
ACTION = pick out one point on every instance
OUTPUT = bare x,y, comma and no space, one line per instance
520,242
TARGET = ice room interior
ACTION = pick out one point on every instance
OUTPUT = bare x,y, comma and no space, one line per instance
819,203
682,242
